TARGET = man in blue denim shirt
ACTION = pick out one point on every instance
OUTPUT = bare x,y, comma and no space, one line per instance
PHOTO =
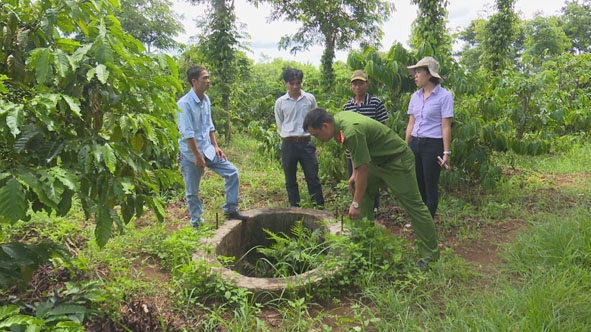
199,148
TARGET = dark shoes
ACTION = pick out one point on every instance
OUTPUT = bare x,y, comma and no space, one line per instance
236,215
423,264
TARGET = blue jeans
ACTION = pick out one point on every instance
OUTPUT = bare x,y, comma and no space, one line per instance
428,170
303,153
192,177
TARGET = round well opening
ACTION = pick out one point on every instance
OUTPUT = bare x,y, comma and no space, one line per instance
276,244
236,239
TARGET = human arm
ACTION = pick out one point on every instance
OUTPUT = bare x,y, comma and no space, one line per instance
199,160
409,127
446,132
278,115
447,113
380,114
214,142
358,181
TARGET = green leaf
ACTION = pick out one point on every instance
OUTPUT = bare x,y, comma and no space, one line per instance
13,205
43,67
68,309
81,53
137,141
104,225
23,320
109,158
74,105
67,44
20,254
127,208
102,73
157,206
41,188
67,178
90,74
85,159
66,203
62,63
103,52
14,119
8,310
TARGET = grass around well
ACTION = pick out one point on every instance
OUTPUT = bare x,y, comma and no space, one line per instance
517,258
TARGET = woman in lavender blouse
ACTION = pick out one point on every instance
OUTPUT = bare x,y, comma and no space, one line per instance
428,133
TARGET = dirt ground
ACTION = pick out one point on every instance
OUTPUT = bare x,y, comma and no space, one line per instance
146,313
142,313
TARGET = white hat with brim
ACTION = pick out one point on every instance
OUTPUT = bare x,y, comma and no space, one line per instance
431,64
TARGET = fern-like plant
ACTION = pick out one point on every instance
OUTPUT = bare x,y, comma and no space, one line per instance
304,250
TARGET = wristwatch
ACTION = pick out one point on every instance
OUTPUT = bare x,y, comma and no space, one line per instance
355,205
447,153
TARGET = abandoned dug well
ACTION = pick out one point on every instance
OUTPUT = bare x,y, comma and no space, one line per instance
235,238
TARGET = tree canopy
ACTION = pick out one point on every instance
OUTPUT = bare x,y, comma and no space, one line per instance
152,22
86,118
334,24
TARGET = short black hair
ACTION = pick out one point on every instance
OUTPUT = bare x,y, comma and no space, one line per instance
291,74
194,72
433,79
316,117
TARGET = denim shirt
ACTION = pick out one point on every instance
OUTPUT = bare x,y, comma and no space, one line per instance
194,121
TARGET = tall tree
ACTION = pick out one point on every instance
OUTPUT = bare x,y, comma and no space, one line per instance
429,32
471,51
576,23
336,24
220,44
543,37
500,32
152,22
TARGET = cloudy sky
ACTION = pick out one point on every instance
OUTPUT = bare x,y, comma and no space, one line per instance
265,35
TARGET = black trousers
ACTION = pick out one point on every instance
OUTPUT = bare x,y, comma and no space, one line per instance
303,153
428,170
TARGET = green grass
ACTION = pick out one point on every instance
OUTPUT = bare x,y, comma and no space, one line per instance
541,280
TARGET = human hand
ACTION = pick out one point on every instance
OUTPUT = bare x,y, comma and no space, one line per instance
354,213
352,183
220,154
200,161
443,162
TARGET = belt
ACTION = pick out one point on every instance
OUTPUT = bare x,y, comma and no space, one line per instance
297,139
426,138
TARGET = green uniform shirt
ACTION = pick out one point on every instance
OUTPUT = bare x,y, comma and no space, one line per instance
368,140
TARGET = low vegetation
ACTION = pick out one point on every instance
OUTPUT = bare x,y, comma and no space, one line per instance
94,231
514,258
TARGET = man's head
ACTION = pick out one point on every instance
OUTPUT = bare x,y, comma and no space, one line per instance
198,77
293,80
320,124
359,83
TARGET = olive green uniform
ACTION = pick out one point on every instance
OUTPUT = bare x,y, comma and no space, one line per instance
390,162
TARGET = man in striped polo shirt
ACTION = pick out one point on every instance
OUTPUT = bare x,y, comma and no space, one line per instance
365,104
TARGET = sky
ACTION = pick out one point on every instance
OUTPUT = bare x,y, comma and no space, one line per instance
265,35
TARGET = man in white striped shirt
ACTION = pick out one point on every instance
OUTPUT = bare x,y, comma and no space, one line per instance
365,104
